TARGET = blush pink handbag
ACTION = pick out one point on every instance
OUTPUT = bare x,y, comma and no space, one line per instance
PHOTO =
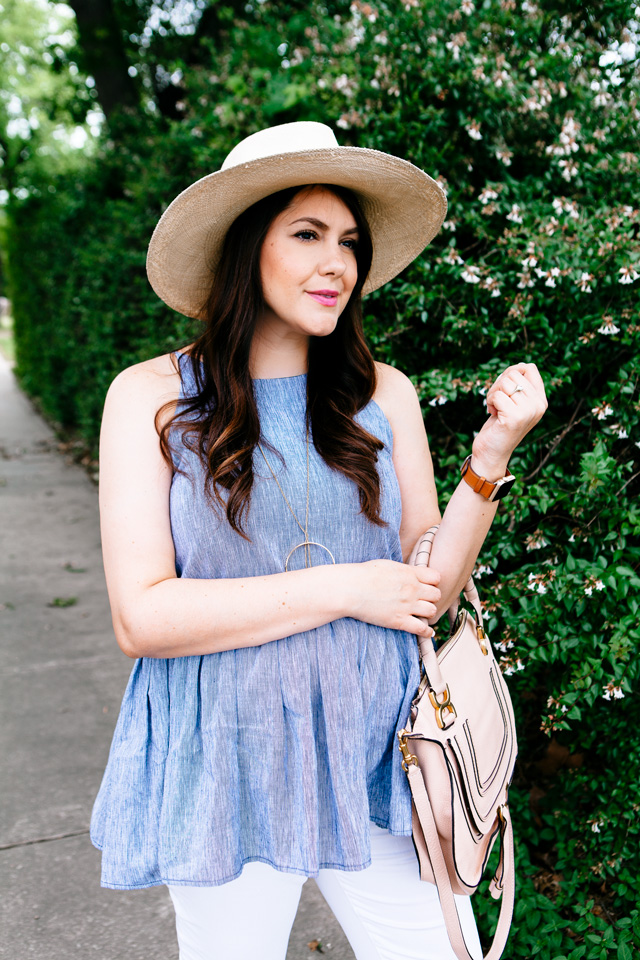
459,750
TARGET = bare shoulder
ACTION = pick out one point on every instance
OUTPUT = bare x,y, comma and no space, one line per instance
394,392
146,386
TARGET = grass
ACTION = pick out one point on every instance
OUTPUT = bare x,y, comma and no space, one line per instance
7,343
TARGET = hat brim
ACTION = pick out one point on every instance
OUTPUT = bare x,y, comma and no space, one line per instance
403,206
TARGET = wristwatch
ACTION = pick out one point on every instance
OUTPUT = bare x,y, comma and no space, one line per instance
490,490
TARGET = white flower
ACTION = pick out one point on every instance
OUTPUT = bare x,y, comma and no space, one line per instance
504,155
449,225
562,205
514,214
569,168
595,825
602,98
452,256
611,691
626,210
457,40
344,84
467,6
487,194
529,261
536,540
627,275
439,399
619,430
473,129
471,274
537,580
603,411
608,326
525,280
491,284
585,282
593,584
483,568
550,275
504,645
509,665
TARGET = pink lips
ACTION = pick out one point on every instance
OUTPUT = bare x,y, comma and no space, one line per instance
328,298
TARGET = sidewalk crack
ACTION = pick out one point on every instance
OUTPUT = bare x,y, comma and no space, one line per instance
55,836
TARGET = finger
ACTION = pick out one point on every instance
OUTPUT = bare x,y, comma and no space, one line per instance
425,608
528,370
533,376
505,406
513,385
427,574
419,626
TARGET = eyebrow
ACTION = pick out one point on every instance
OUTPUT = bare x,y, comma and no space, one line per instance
319,224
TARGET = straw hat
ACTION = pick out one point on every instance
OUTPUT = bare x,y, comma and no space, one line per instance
404,207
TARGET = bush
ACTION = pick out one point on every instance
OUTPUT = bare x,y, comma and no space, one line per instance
531,125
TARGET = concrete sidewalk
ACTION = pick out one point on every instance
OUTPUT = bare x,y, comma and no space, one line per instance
61,681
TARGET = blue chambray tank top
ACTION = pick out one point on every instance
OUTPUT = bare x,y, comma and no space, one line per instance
281,752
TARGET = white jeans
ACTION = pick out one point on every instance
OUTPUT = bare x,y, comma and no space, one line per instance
386,911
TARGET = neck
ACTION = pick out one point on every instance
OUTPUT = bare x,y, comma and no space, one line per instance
278,353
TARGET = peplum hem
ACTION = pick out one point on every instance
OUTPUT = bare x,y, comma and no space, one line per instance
196,785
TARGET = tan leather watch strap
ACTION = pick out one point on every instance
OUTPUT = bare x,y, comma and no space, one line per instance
490,490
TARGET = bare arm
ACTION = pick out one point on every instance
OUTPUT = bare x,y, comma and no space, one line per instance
157,614
468,516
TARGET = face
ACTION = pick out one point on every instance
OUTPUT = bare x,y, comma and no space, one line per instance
308,264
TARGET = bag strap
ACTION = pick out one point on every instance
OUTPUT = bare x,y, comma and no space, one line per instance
503,884
420,557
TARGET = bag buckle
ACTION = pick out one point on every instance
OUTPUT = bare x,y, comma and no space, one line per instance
441,706
482,640
407,756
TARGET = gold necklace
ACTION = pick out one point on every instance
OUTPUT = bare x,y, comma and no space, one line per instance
306,543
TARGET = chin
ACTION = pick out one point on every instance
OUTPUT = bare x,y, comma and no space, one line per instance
321,329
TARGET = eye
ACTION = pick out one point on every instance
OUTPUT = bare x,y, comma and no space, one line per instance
350,244
307,235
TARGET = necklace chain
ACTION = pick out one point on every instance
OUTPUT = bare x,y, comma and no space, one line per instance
306,544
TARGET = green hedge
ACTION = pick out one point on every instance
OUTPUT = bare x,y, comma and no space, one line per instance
537,145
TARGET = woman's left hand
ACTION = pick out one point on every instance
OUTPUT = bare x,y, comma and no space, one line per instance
516,401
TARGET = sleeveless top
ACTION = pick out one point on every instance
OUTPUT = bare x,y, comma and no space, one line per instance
281,752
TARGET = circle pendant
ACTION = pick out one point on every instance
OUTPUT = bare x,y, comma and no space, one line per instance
306,543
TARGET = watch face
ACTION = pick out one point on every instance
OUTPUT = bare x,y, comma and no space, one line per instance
504,486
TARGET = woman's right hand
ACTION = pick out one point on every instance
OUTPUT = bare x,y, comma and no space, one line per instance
394,595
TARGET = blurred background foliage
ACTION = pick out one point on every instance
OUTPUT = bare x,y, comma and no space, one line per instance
528,115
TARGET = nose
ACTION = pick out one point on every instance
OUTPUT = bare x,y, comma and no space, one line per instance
335,262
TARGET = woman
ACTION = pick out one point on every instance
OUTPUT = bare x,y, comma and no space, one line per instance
259,492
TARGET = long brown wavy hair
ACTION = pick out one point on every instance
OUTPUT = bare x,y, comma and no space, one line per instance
220,420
